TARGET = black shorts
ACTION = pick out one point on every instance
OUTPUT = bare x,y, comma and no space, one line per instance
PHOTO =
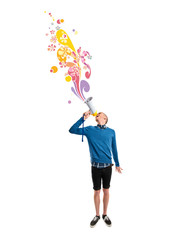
99,174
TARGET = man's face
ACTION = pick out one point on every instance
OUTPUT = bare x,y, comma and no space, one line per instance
100,118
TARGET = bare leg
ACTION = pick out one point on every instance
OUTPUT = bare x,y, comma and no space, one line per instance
97,201
105,200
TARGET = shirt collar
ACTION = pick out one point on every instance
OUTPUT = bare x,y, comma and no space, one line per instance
102,126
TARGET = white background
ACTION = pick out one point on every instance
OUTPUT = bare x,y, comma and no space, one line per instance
45,179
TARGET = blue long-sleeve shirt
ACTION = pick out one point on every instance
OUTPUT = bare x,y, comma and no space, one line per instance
102,142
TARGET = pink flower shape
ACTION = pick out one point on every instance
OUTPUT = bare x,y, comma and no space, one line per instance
52,31
74,72
51,47
53,39
62,64
84,53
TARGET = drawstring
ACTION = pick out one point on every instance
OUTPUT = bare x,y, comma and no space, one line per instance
83,127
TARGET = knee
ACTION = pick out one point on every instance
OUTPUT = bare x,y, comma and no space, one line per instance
97,192
106,191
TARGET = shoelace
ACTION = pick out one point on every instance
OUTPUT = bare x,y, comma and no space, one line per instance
106,218
95,218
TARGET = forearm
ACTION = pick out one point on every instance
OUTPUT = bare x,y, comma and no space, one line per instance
115,157
75,128
114,151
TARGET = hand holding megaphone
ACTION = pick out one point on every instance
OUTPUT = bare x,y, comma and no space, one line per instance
87,114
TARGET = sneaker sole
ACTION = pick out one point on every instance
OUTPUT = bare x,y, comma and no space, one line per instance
92,226
107,224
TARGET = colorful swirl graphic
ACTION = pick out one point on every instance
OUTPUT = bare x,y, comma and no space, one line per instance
71,59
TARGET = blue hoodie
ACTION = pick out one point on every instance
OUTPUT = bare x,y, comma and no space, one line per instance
101,142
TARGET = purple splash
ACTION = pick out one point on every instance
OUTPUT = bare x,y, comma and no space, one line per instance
73,90
84,85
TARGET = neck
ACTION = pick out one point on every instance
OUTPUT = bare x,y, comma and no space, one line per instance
101,123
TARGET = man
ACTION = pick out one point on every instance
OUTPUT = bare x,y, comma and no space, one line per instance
101,141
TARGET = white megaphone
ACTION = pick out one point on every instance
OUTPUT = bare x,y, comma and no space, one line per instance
92,109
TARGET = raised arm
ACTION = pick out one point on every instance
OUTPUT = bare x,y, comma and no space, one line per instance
75,128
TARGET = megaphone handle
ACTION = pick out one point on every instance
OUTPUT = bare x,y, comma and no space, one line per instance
83,128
